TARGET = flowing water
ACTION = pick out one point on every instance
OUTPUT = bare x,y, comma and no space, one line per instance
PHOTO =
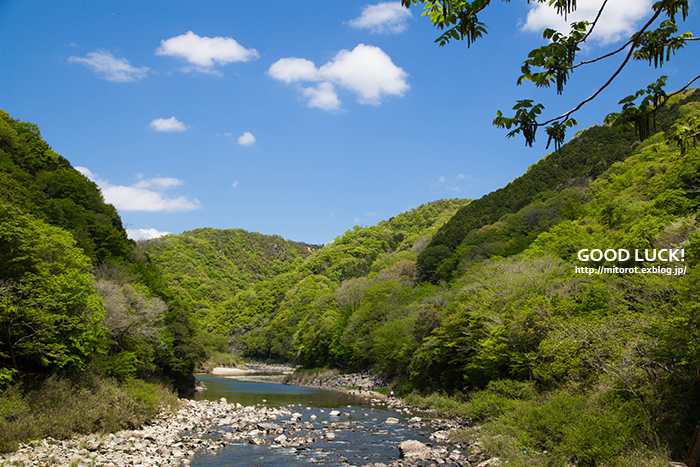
368,438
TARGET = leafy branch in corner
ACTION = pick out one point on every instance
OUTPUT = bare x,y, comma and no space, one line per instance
553,63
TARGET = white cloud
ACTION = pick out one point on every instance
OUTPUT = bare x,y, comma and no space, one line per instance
246,139
235,184
167,124
382,18
367,71
86,172
322,96
144,234
145,195
617,22
292,69
111,68
205,52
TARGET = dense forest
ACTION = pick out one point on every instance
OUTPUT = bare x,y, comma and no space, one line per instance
488,303
85,317
485,308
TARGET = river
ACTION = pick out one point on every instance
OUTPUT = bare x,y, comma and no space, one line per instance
361,433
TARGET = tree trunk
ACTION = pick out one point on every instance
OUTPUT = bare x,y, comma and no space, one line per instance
692,459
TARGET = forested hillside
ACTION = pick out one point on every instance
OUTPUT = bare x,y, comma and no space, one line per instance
206,268
240,285
82,309
585,157
547,351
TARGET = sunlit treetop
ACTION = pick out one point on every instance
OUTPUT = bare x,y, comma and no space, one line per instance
656,42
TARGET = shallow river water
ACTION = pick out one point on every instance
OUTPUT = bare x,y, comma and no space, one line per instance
366,438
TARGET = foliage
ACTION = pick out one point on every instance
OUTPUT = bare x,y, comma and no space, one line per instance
42,183
59,408
594,369
655,42
49,312
551,191
78,301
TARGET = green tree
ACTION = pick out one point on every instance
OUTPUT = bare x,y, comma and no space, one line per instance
50,313
552,64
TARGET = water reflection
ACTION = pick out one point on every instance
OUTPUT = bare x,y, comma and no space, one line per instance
272,394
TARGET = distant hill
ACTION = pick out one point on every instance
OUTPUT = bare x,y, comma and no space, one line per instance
206,267
234,281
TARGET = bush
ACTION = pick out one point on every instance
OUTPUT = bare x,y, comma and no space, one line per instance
60,409
455,406
573,429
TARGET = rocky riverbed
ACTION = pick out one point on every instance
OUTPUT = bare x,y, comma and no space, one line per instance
175,438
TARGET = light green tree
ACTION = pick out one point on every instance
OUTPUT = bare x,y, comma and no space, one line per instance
50,313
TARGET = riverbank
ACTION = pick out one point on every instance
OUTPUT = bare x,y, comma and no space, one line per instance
361,384
253,369
175,438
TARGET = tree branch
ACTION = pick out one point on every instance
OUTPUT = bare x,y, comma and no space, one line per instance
670,95
566,115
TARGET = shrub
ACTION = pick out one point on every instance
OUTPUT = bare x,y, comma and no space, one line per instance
59,408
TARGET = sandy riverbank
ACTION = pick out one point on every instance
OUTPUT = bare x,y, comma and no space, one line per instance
254,369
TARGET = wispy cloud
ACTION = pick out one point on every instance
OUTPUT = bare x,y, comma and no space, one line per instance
145,195
203,53
167,124
111,68
162,183
617,22
246,139
457,183
144,234
366,71
382,18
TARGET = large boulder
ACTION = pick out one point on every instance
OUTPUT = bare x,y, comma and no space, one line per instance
413,449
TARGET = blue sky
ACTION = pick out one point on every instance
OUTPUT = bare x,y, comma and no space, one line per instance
300,119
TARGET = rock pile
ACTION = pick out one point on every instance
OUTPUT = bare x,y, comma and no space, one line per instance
172,439
168,440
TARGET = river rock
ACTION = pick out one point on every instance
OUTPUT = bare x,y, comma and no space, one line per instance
493,462
413,449
392,421
334,413
271,428
441,435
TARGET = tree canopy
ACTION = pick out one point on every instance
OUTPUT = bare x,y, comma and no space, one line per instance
656,41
